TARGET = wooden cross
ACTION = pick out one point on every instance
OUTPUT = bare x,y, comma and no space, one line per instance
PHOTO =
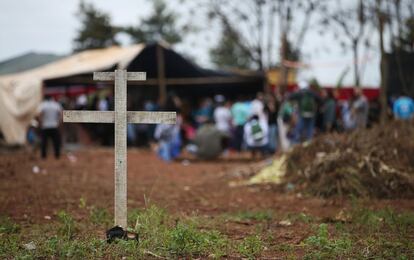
120,117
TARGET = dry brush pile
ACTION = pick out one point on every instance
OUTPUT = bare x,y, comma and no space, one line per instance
376,163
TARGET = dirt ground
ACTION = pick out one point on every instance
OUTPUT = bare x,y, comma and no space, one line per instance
31,189
181,186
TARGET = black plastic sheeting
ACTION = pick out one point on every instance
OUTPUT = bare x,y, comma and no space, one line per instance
176,66
400,74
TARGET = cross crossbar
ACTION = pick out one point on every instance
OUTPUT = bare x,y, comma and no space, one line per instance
133,117
110,76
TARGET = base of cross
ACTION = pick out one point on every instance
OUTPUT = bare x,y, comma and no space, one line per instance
118,232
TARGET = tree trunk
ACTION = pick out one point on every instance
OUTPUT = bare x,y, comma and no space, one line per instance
356,65
283,78
383,87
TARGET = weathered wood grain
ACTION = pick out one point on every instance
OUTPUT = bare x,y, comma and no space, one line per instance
120,148
133,117
110,76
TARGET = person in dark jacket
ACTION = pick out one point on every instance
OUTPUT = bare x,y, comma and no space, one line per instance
307,101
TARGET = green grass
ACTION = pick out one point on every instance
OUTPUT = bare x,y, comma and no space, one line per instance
377,234
164,235
251,247
67,226
301,217
187,240
100,216
7,226
266,215
321,246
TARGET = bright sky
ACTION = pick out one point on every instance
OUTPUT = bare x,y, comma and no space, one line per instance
49,26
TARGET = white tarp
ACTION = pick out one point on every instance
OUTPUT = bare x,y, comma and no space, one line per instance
21,93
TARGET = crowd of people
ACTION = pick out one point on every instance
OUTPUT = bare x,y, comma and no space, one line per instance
264,124
267,123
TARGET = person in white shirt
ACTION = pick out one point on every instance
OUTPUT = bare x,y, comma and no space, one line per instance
50,114
256,135
81,102
360,109
223,117
257,107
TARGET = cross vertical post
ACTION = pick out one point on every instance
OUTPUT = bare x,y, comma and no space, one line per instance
120,148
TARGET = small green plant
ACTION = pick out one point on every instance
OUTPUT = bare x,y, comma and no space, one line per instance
163,235
366,219
7,226
321,246
251,247
82,203
9,245
187,240
100,216
67,225
152,225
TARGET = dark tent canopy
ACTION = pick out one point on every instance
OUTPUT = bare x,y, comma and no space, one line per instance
399,73
181,76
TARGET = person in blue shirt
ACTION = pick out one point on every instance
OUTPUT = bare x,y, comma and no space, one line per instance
204,113
240,112
403,108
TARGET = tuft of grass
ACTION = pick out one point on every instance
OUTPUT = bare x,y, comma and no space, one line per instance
100,216
285,248
55,246
187,240
9,245
152,225
7,226
386,233
123,248
377,220
322,247
67,226
251,247
161,234
301,217
266,215
82,203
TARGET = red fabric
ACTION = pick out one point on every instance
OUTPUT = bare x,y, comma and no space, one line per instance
72,91
347,92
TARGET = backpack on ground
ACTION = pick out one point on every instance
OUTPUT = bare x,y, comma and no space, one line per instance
257,131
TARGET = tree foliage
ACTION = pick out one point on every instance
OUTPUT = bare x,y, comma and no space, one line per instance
161,24
229,54
96,30
400,20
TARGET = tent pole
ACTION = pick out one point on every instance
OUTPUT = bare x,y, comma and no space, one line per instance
162,87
